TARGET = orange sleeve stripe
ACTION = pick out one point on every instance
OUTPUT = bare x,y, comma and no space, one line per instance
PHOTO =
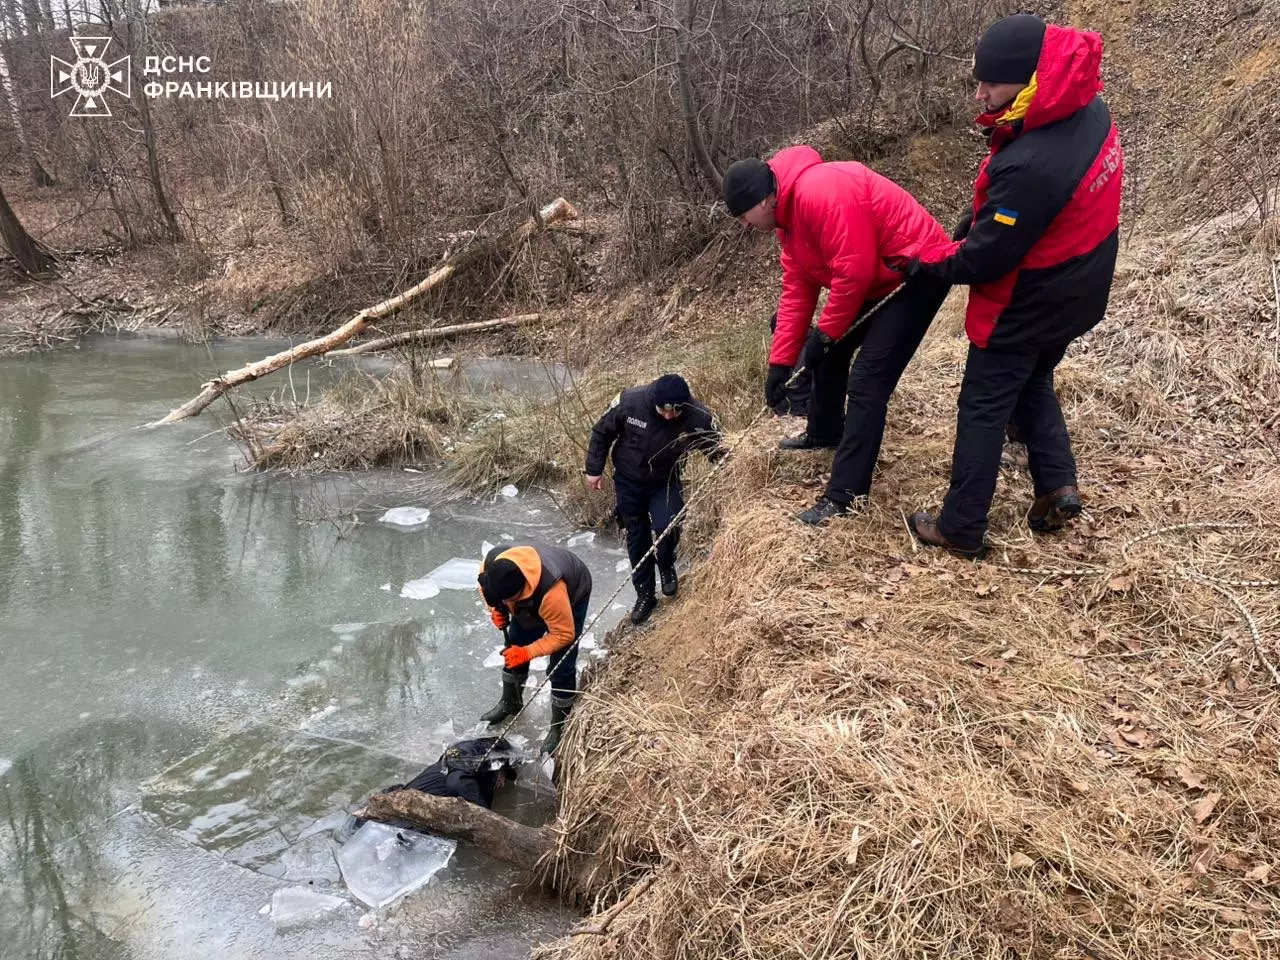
557,613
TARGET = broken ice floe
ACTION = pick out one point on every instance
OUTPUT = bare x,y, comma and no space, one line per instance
424,588
381,863
294,906
581,539
510,491
456,574
406,518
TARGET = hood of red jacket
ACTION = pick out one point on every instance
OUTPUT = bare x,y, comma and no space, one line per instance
787,165
1068,77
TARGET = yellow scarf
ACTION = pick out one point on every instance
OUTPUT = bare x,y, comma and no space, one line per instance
1018,109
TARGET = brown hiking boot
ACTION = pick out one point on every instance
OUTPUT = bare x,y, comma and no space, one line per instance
1054,510
926,531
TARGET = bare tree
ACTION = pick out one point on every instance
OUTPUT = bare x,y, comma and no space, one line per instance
31,257
13,99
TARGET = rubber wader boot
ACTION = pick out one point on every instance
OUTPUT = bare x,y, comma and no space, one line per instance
511,702
561,707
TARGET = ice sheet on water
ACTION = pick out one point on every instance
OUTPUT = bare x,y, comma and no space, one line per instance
295,906
309,859
622,566
296,781
456,574
342,629
485,547
406,518
381,863
581,539
424,588
494,659
588,641
509,491
445,731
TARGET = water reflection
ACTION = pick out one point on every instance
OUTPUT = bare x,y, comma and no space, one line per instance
152,600
54,802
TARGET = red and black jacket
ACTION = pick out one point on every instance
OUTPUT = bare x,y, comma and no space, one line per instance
1040,253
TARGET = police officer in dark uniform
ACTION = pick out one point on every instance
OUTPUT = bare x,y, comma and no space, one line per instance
650,429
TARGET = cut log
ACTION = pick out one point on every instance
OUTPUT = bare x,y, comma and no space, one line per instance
560,209
493,834
434,333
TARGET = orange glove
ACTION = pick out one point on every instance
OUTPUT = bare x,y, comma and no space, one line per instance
516,657
499,618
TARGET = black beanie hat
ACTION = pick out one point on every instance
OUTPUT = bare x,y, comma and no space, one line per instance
502,580
670,388
745,184
1009,50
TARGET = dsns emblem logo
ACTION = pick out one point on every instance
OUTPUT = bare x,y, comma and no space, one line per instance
91,77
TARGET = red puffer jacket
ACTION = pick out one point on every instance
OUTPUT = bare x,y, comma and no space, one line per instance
1041,251
840,225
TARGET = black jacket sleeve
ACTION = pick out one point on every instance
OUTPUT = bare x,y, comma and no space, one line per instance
1019,207
704,435
603,435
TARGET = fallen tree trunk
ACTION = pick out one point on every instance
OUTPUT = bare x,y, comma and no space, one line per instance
435,333
493,834
560,209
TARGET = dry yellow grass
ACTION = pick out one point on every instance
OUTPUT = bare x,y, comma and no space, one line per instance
835,745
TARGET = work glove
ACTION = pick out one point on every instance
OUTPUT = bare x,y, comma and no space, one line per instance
516,657
500,619
775,387
962,228
816,349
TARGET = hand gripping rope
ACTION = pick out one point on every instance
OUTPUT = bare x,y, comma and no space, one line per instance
1222,585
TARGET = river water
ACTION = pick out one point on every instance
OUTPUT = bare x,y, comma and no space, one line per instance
201,669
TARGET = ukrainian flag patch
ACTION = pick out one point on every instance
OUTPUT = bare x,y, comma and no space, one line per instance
1006,216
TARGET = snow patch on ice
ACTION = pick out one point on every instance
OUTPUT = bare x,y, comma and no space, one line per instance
423,588
406,518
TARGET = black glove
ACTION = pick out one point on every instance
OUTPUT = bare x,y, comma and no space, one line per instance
962,228
816,349
775,387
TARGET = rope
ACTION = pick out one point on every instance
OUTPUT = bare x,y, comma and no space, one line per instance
1221,585
703,487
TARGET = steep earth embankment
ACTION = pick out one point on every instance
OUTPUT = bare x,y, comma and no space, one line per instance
832,745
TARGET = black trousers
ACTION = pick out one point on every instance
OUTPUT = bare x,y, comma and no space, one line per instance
885,345
1000,388
645,511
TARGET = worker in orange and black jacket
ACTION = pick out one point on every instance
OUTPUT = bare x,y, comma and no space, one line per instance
537,596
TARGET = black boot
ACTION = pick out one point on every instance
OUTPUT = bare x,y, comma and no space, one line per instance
822,511
805,442
645,603
561,707
670,582
1054,510
510,704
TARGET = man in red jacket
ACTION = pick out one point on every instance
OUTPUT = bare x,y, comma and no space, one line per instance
1039,260
844,227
